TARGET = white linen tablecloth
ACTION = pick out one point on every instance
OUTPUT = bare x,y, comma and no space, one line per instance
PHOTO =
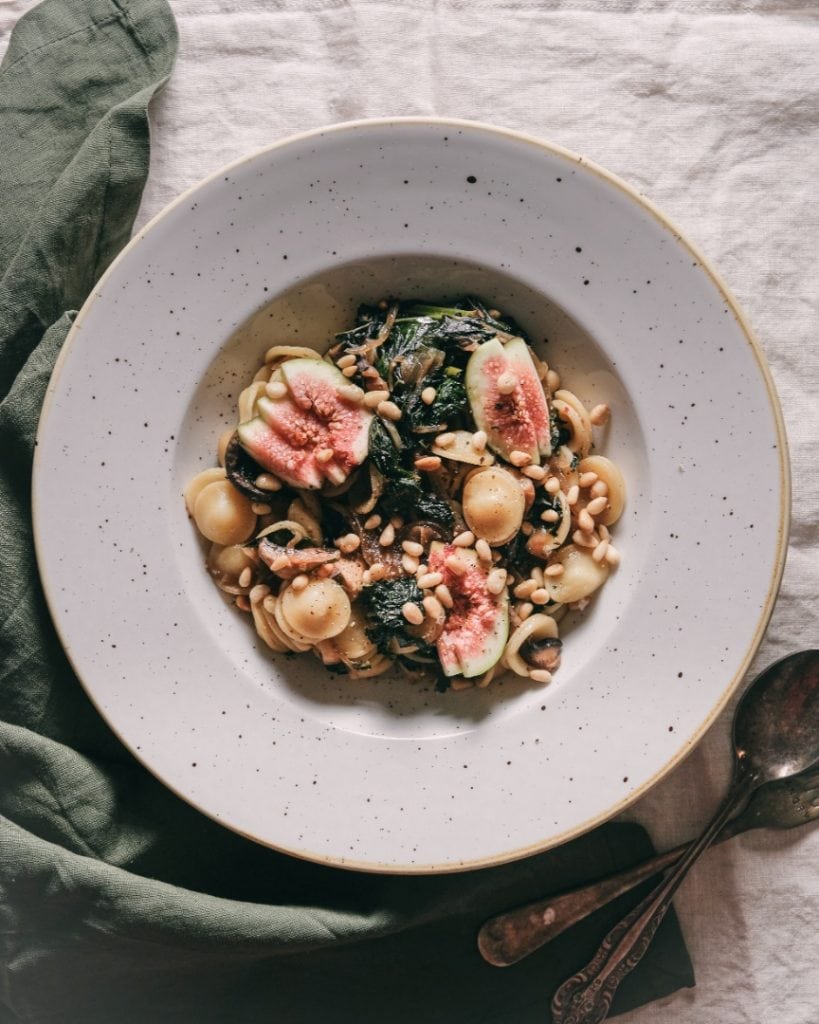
711,109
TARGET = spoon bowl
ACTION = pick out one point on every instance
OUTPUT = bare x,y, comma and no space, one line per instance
776,724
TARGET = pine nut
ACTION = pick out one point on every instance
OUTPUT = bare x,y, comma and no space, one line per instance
599,552
597,505
600,414
349,543
409,564
352,392
378,571
464,540
550,515
599,489
389,410
267,482
540,596
525,589
275,389
483,550
373,522
496,581
412,613
519,458
412,548
552,380
525,610
536,473
584,540
612,555
585,521
259,508
433,607
428,396
552,485
428,463
527,529
444,440
372,399
555,569
387,536
396,522
587,479
258,593
300,582
324,455
573,494
345,361
540,675
350,371
507,382
443,595
537,575
430,580
245,576
479,440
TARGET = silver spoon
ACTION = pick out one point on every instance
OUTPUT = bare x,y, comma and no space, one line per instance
507,938
775,735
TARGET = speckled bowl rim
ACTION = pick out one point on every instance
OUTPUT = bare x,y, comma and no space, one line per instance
784,483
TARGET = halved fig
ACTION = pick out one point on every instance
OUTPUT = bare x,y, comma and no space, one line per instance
477,626
507,399
313,432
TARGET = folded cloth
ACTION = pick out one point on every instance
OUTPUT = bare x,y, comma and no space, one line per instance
118,902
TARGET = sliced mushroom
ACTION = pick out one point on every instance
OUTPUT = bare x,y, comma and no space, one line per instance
350,574
287,562
543,653
242,470
537,628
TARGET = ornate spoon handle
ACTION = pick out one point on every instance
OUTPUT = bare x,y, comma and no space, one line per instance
507,938
587,996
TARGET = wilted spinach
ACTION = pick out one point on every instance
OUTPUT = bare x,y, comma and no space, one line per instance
383,602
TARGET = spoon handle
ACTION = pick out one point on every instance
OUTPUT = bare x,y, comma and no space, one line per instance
509,937
587,996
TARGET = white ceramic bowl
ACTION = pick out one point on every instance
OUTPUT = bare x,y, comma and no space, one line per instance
384,774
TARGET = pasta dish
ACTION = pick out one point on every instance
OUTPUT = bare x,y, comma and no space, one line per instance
424,495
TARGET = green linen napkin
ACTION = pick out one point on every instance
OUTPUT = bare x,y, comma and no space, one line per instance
118,902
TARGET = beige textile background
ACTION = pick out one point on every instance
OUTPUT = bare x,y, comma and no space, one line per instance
711,109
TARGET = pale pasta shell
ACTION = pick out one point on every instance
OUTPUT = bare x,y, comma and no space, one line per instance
572,411
493,505
247,400
610,474
536,627
581,575
223,515
263,622
278,353
299,513
199,483
320,611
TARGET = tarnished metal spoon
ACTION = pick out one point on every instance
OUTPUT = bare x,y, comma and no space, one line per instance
507,938
776,736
